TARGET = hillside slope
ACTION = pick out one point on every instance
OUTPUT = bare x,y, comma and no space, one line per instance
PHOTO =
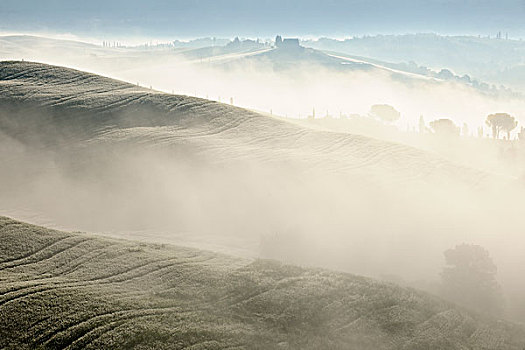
96,154
74,106
75,290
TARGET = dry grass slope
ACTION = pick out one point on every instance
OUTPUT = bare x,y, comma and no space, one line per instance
74,290
72,106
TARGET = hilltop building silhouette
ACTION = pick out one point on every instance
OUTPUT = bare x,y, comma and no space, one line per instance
287,43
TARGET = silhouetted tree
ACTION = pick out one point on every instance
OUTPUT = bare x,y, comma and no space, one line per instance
466,79
501,122
236,42
444,127
465,130
480,132
445,74
469,279
386,113
422,125
521,135
278,41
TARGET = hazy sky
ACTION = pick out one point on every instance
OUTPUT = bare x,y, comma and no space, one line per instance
265,18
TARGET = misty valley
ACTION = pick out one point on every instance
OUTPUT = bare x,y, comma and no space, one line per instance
262,192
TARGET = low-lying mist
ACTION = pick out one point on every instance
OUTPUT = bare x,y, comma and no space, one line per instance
274,83
373,224
296,91
308,204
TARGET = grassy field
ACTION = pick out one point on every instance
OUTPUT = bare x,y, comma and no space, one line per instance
76,290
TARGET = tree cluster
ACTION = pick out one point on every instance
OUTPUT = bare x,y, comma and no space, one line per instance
469,279
444,127
385,113
499,122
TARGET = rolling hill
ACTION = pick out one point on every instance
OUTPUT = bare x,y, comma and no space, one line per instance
485,58
132,162
76,106
75,290
233,55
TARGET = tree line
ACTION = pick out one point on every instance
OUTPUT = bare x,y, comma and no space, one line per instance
499,123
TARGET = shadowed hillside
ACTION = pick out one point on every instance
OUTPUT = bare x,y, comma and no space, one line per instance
75,290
